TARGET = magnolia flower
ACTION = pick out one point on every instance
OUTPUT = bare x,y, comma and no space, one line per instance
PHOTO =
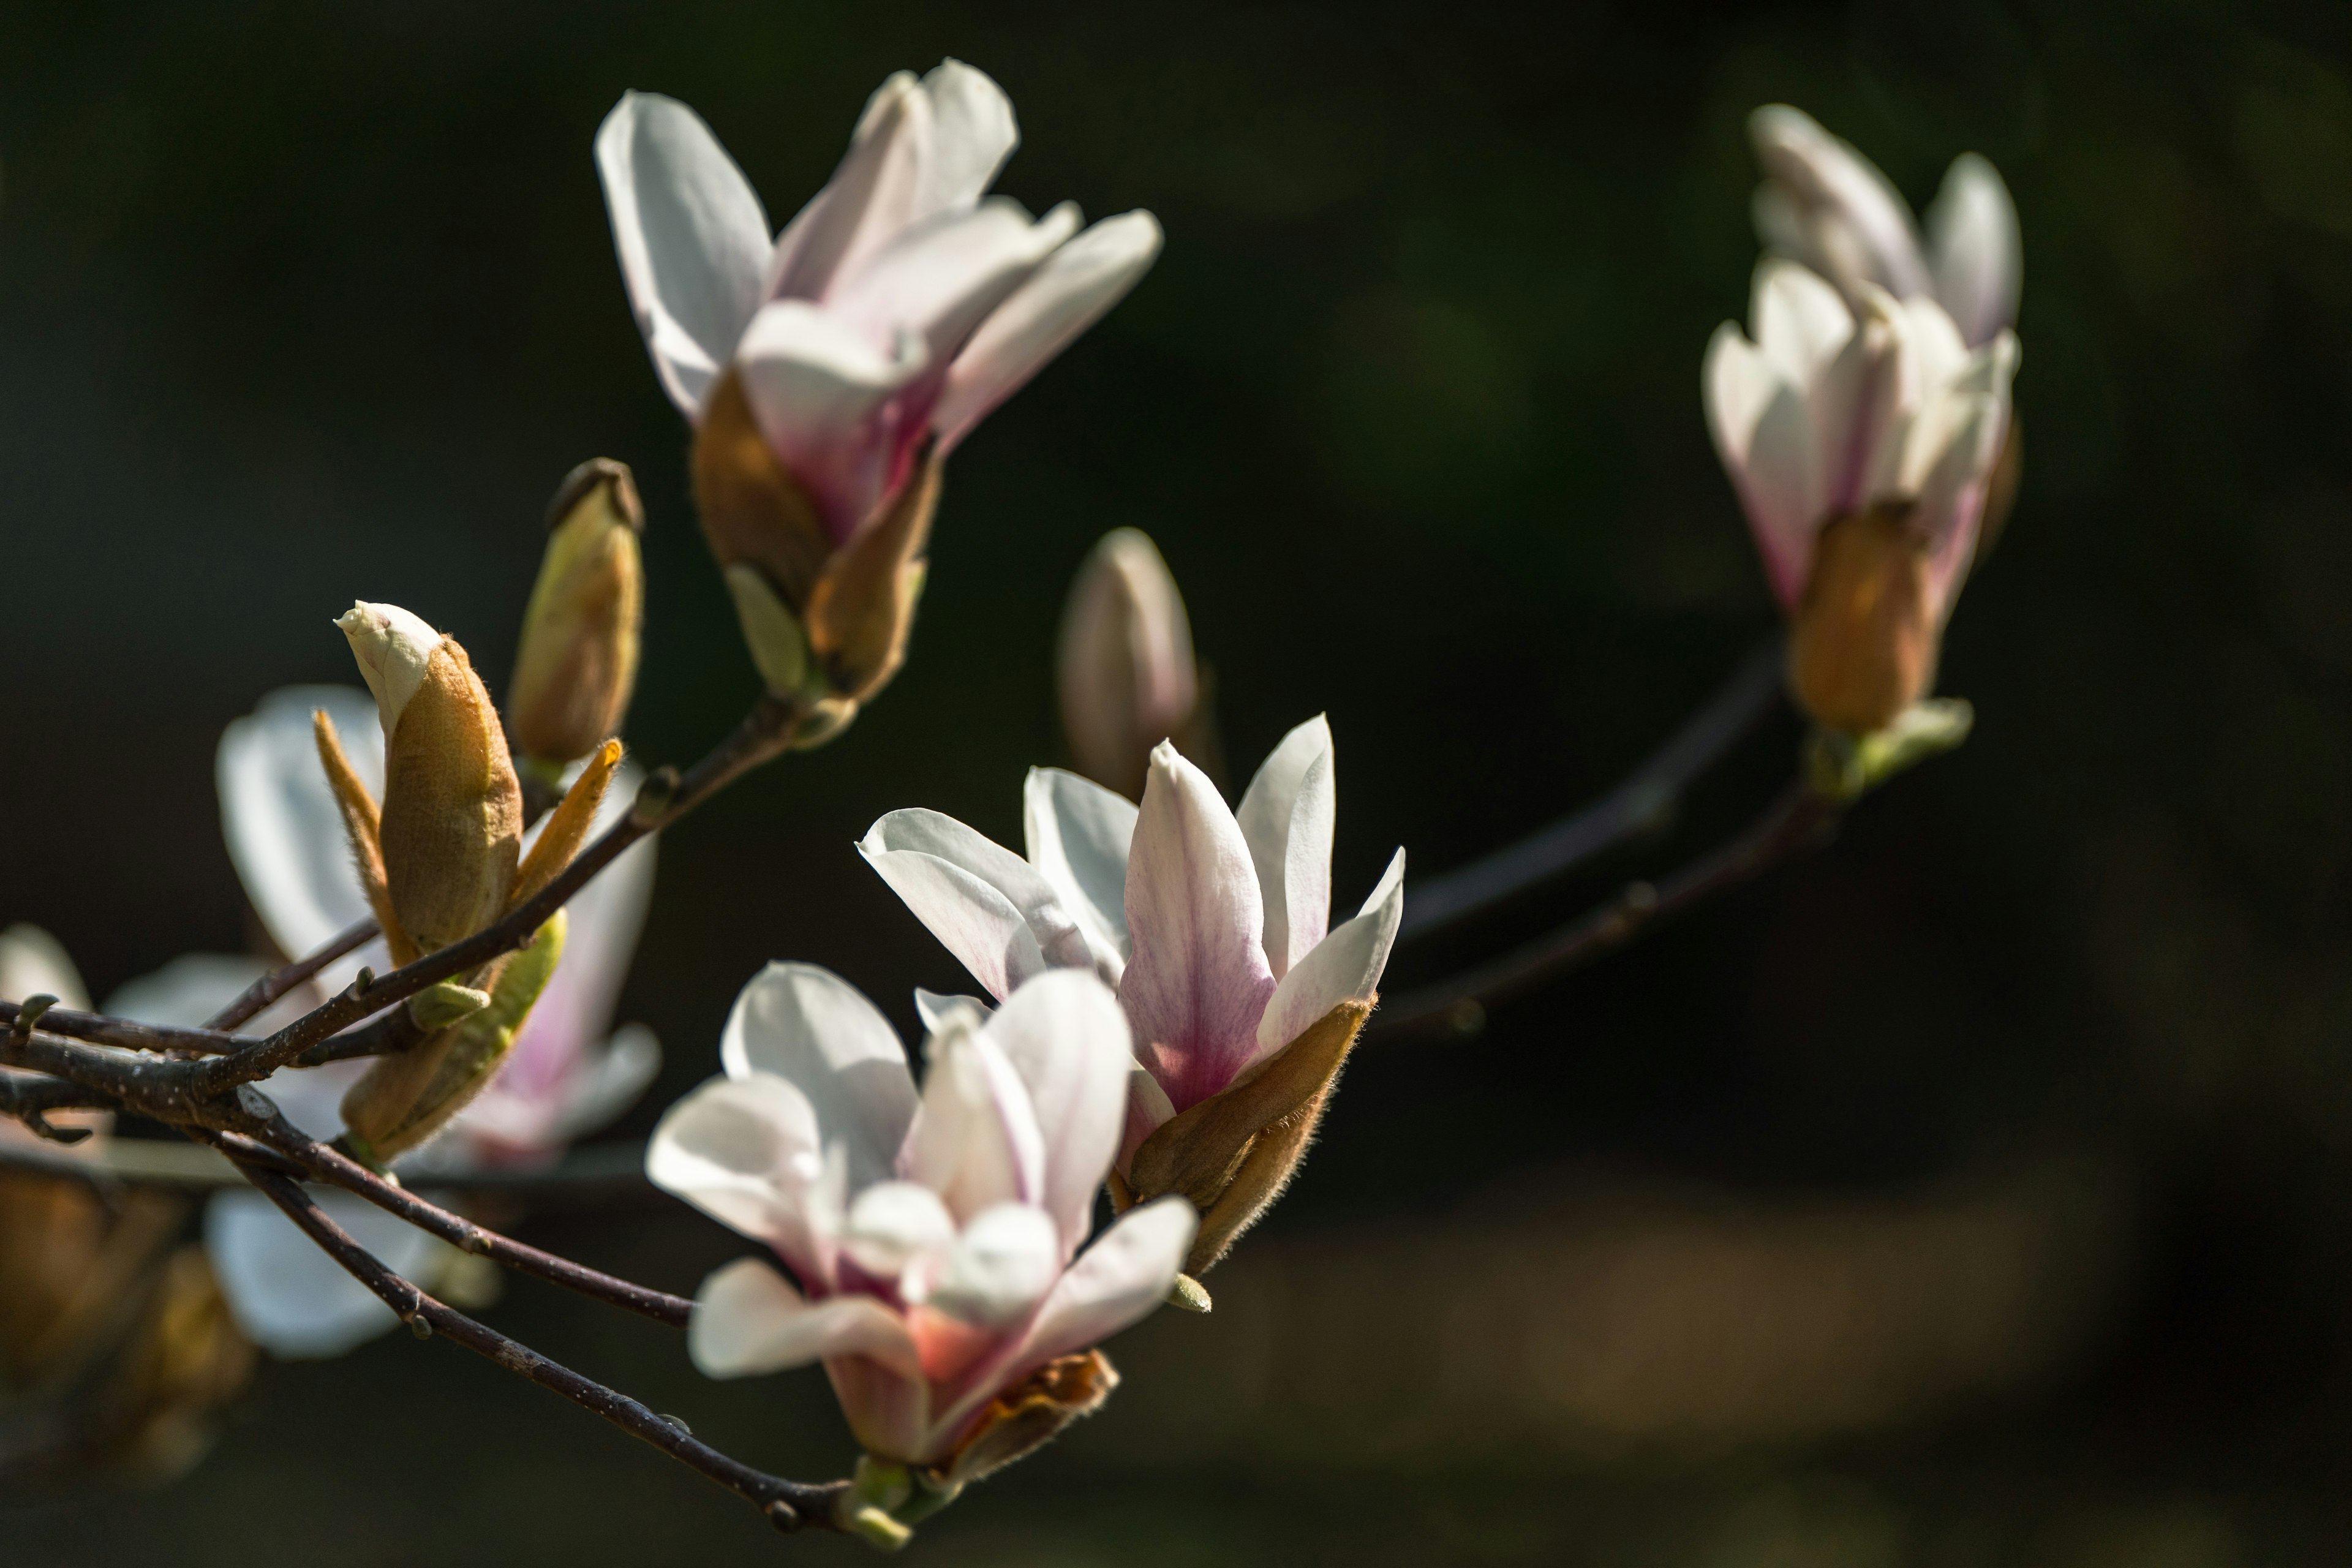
1826,206
286,837
1862,446
822,366
932,1235
1213,926
1128,679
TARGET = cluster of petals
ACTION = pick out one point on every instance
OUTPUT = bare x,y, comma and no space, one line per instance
565,1076
1827,207
901,305
1214,925
934,1235
1827,410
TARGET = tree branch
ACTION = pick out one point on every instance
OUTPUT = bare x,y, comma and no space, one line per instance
788,1505
280,981
1799,820
1643,803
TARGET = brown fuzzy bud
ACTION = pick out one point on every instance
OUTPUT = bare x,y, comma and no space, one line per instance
1232,1155
577,664
1866,636
451,825
853,605
1028,1416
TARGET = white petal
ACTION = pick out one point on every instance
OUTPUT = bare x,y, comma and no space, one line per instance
35,964
870,197
1072,290
748,1320
1973,249
693,241
1148,1110
1000,917
823,390
1003,1265
936,1008
1762,433
184,992
973,134
1841,218
815,1031
892,1224
290,1297
975,1141
1116,1282
1346,968
1287,817
941,277
747,1153
1079,835
1800,323
1198,981
285,836
1065,1036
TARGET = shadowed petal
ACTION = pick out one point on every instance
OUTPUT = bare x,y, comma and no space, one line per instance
1973,249
975,1141
826,394
285,835
1346,968
1079,833
1829,207
1065,1036
290,1297
746,1152
1287,817
748,1320
818,1033
989,907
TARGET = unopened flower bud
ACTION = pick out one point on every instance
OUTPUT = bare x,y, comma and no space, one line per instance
1129,678
851,599
1865,637
578,661
450,828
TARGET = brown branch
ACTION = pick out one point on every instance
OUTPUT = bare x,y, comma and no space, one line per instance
100,1029
788,1505
1642,803
385,1036
1799,820
280,981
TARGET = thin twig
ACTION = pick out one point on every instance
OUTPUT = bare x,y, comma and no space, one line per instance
100,1029
597,1168
386,1035
280,981
788,1505
1643,803
1799,819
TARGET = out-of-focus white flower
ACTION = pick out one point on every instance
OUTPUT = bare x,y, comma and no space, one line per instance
932,1235
561,1079
1129,677
1215,928
35,964
1826,206
1862,446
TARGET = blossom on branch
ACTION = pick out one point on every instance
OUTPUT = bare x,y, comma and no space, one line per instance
934,1237
1215,928
1862,444
831,369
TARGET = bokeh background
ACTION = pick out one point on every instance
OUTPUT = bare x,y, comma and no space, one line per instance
1978,1190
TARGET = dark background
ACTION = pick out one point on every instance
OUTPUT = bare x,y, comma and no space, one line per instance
304,302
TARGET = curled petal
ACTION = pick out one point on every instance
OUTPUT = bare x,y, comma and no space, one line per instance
1287,817
1973,249
808,1027
939,279
1829,207
975,1141
748,1319
825,393
1064,1036
989,907
1003,1265
1346,967
746,1154
1078,837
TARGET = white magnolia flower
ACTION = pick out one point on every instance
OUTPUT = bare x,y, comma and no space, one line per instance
1825,205
902,303
35,964
1213,925
562,1078
934,1238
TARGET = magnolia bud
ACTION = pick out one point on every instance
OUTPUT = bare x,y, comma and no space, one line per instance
451,824
578,661
1025,1417
405,1098
1866,636
1129,678
851,602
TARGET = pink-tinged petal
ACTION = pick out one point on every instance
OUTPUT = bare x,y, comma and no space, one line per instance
1079,835
285,835
826,396
291,1298
1762,433
1071,291
1830,208
1000,1268
1198,981
1958,438
893,1225
748,1319
870,197
1287,817
1000,917
1066,1038
973,134
1346,967
1856,405
692,238
975,1141
889,1411
941,277
809,1027
1973,249
1148,1110
748,1153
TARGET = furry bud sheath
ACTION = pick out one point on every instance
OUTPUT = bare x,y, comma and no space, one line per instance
578,661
